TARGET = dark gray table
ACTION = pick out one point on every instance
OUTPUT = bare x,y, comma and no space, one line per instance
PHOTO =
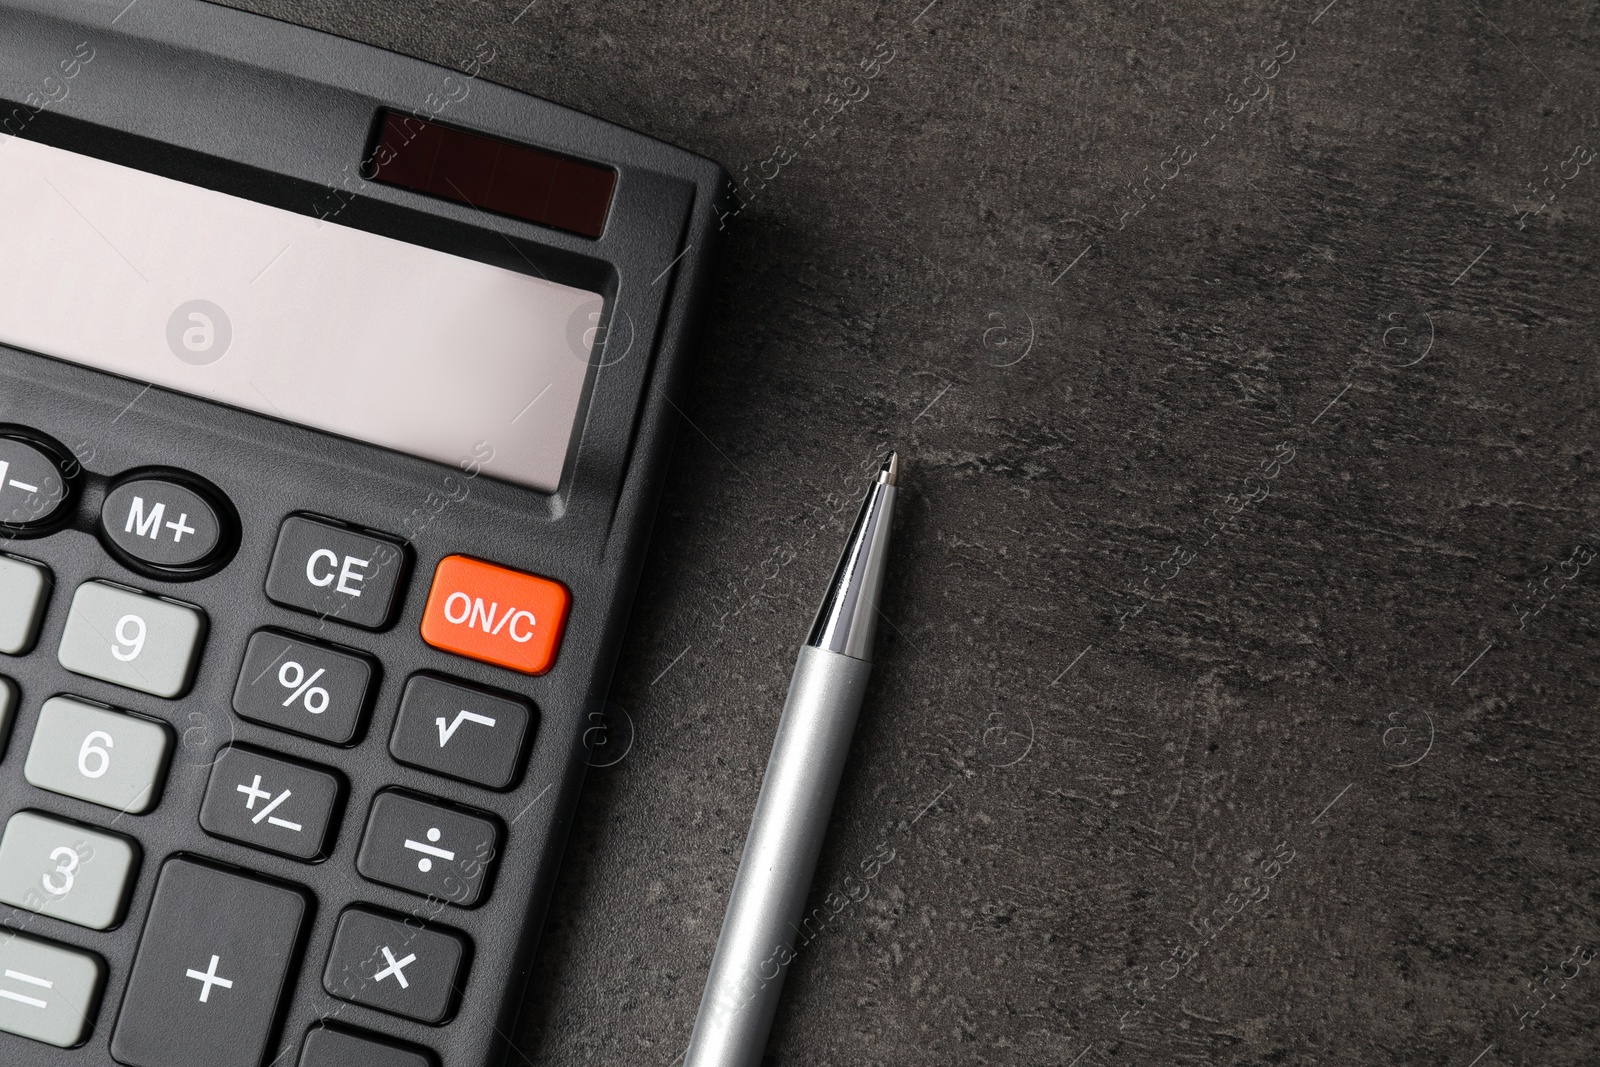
1240,699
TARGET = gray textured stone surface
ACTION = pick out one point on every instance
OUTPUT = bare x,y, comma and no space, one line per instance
1357,666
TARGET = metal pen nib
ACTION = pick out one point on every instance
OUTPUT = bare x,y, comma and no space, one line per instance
847,621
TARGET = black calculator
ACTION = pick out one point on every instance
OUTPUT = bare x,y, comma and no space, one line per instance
336,395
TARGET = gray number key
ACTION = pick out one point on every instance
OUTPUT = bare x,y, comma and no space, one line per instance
47,992
98,755
127,638
65,870
24,588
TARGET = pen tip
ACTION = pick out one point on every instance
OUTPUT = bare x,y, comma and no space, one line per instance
890,474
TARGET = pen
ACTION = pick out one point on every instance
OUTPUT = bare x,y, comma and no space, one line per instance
796,799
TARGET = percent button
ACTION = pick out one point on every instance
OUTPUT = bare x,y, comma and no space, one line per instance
299,685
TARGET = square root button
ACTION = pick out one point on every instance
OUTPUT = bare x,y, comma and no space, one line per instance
494,614
462,731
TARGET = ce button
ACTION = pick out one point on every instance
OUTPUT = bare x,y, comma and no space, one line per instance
349,575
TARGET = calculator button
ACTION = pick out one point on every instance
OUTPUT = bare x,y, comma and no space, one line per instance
336,1048
394,965
8,709
47,992
24,588
270,803
426,848
213,965
460,731
336,572
32,490
500,616
162,523
98,755
65,870
131,639
303,687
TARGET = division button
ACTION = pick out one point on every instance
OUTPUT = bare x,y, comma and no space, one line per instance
461,731
66,871
131,639
336,572
326,1047
495,614
162,523
47,992
427,848
212,969
98,755
270,803
32,490
303,687
395,966
24,589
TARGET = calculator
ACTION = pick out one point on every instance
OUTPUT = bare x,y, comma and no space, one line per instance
336,396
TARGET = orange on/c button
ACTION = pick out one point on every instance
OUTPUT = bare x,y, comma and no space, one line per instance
496,615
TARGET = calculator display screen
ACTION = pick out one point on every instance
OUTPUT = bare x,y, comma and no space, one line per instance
291,316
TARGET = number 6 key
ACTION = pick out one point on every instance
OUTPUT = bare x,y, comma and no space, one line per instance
99,755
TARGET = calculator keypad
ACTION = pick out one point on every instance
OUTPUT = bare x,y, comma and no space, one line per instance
66,871
24,588
336,572
98,755
220,950
131,639
427,848
394,965
461,731
212,965
270,803
47,992
304,687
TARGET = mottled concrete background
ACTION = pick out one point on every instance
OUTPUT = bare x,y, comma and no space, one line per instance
1240,700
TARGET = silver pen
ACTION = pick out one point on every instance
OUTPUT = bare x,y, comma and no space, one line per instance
796,800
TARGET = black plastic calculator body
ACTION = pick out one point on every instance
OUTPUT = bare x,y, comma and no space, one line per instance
297,680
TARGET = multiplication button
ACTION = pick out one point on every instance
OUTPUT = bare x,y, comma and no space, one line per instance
47,992
303,687
461,731
270,803
394,965
212,968
427,848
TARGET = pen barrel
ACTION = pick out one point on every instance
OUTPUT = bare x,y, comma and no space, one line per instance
761,933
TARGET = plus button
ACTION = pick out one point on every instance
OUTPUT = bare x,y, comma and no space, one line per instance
208,978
